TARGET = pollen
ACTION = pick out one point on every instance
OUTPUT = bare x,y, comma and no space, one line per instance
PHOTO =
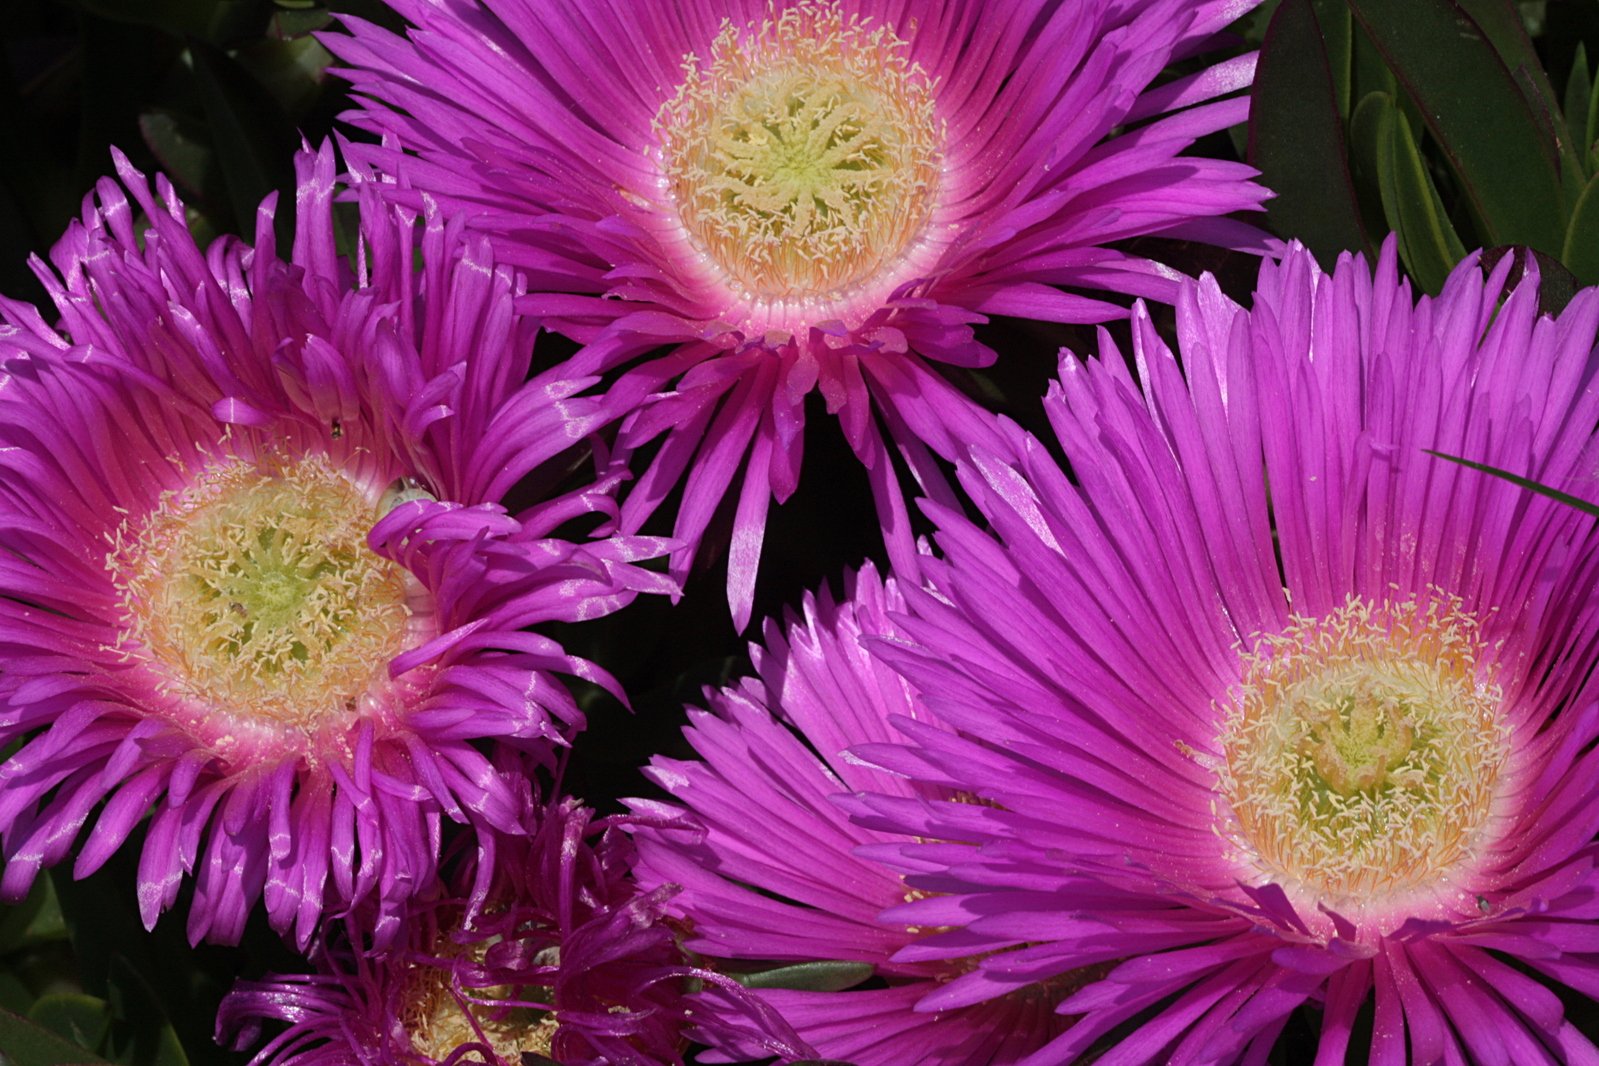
804,158
441,1018
253,591
1362,750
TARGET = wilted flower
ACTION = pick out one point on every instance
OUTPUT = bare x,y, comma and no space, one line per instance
562,959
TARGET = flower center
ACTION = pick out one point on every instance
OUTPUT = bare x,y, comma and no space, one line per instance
255,591
1362,749
806,157
439,1019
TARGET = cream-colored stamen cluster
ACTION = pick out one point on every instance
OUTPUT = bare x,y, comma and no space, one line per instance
1362,749
253,590
439,1019
806,156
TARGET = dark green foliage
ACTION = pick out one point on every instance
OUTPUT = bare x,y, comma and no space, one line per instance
216,93
1456,124
1431,119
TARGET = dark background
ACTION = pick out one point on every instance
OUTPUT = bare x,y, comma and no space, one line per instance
218,93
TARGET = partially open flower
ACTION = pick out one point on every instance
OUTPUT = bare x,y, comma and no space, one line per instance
562,959
255,576
807,195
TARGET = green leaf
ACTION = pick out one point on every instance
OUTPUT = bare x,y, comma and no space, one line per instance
142,1032
1535,13
253,139
1503,23
15,995
1296,137
182,148
1368,71
36,920
1590,129
84,1020
291,70
1579,89
1337,28
1496,142
1581,251
1427,239
153,979
27,1044
1541,489
809,976
1368,140
301,19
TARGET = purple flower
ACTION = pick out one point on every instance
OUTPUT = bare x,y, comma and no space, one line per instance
255,580
817,195
1267,708
563,958
773,870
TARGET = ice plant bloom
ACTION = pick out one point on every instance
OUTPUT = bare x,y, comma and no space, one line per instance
1270,709
734,203
256,578
773,871
563,958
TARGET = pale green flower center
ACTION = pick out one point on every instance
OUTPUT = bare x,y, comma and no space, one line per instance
254,591
1362,749
806,156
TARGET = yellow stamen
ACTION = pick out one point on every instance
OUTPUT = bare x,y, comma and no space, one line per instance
439,1018
1362,749
806,157
253,591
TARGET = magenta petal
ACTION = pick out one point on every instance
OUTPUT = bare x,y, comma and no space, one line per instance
173,363
535,125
